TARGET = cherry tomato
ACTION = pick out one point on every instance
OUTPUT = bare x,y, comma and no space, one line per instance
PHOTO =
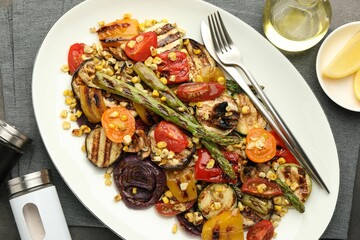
214,174
175,139
172,209
260,145
118,122
283,151
174,66
139,47
199,91
74,56
270,189
263,230
228,224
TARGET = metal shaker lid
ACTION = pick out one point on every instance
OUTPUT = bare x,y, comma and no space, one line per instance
12,135
29,181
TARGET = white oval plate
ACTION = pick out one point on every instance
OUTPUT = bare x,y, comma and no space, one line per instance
285,87
340,90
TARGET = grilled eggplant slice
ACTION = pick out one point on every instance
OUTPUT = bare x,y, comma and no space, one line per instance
220,115
140,144
83,76
169,160
198,57
251,217
100,150
295,176
169,36
249,116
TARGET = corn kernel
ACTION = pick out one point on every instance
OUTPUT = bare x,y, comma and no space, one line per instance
163,99
135,79
107,175
155,93
221,80
134,190
161,144
169,194
261,175
148,61
210,163
278,208
64,114
98,67
141,27
114,114
174,228
66,125
163,80
64,68
124,118
139,38
127,15
196,51
131,44
108,182
77,132
83,148
165,199
190,217
78,113
281,160
186,42
183,186
117,198
261,187
92,30
68,100
127,140
199,104
172,56
101,23
73,117
125,148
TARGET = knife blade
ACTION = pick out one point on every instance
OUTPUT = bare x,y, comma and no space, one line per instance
235,74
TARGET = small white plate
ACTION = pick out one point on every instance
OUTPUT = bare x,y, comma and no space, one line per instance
339,90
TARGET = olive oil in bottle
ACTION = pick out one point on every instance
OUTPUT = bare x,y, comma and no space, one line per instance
296,25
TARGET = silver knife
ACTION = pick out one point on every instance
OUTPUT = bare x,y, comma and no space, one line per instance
235,74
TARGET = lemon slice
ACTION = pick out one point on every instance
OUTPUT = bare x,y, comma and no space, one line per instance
347,61
356,82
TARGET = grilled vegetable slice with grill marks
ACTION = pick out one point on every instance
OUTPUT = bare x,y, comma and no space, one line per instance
198,58
215,199
249,116
169,36
220,115
297,179
100,150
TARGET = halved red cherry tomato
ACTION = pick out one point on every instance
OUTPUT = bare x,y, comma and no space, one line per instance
199,91
263,230
283,151
74,56
172,209
213,174
260,145
139,47
252,185
175,139
174,66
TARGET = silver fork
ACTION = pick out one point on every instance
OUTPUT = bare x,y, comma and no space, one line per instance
229,55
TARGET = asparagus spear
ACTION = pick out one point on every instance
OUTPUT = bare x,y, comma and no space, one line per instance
260,205
219,157
113,85
294,200
150,79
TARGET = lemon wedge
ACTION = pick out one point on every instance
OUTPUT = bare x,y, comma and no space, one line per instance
347,61
356,81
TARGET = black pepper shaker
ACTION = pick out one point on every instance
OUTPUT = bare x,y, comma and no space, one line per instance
12,143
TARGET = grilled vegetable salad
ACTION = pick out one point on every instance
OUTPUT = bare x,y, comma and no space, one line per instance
160,117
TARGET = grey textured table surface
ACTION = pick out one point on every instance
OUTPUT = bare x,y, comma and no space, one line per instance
23,26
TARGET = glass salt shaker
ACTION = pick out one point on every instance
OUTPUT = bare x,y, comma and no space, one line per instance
296,25
36,207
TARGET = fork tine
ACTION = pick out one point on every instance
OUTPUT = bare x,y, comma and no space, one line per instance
224,31
220,33
215,35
